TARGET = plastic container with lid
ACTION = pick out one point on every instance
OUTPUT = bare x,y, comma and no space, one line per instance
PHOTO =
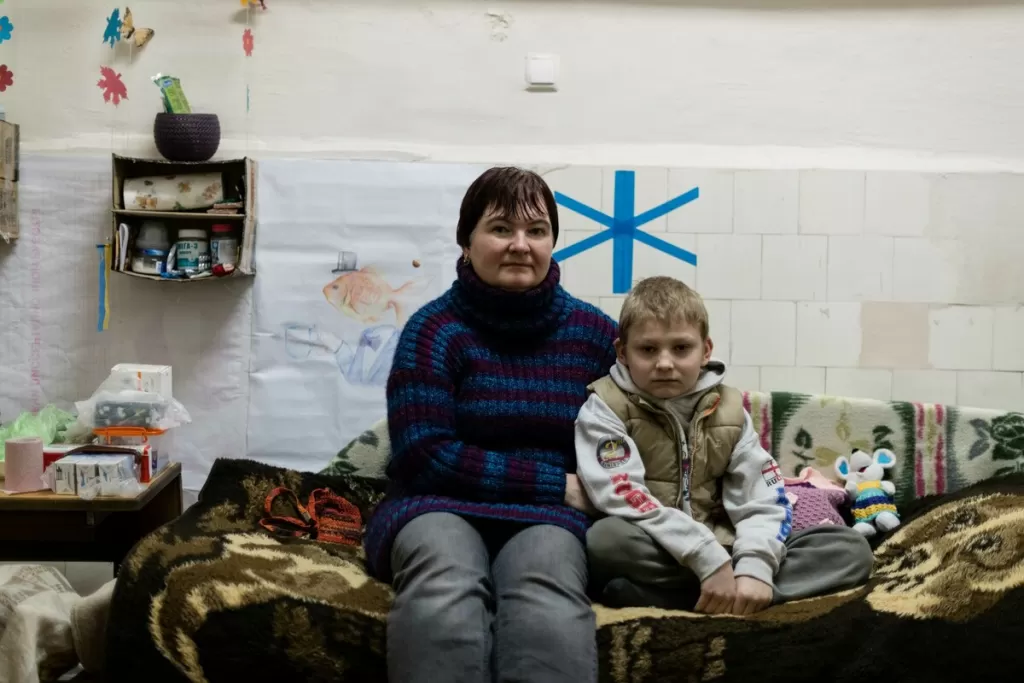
153,235
193,249
149,261
223,245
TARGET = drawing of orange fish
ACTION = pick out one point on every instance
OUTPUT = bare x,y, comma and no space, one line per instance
365,295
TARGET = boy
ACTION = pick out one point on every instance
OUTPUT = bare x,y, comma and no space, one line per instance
697,514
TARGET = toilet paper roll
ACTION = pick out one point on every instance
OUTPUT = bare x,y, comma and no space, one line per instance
173,192
24,465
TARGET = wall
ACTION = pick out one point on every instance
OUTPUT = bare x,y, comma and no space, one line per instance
894,275
930,84
880,284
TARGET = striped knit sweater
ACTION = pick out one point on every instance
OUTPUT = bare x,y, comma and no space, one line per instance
482,399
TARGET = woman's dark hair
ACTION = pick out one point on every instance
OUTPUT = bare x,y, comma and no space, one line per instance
511,192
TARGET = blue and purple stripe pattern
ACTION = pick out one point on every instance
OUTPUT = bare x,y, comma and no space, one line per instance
482,398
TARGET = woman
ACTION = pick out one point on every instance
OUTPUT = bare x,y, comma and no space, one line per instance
482,533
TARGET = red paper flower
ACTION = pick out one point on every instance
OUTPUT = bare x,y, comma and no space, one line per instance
6,77
247,42
112,85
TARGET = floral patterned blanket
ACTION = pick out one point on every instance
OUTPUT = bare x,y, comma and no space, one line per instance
214,597
939,449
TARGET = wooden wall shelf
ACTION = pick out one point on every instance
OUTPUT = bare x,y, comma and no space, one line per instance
239,182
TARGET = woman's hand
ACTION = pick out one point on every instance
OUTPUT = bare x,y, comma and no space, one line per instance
576,496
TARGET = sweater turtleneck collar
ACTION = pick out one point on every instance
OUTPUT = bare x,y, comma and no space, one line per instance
534,312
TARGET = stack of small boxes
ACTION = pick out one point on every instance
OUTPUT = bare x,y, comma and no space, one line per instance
93,474
106,469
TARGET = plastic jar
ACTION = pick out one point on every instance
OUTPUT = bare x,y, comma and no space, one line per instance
223,246
193,250
152,235
149,261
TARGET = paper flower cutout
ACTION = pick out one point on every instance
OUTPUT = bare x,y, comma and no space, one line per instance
6,28
6,76
245,3
112,85
113,32
247,42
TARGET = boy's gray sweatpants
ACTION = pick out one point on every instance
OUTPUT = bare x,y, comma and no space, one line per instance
818,560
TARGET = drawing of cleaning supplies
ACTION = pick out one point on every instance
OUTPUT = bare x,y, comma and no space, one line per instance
300,339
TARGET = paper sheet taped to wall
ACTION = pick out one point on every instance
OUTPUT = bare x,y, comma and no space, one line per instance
346,252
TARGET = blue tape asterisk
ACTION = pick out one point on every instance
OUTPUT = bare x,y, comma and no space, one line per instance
623,228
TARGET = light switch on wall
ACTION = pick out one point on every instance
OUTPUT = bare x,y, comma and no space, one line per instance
541,71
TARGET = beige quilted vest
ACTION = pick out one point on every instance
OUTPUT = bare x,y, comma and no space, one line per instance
715,429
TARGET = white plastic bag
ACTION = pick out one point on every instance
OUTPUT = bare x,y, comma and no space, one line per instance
129,408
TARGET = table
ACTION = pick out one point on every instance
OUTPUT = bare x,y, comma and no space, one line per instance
46,526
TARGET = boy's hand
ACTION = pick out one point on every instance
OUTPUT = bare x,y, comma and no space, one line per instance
718,591
576,496
752,595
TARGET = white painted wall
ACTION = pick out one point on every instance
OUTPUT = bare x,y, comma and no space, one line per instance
895,275
881,284
924,84
805,272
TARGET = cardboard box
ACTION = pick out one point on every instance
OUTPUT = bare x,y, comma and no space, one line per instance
9,169
239,179
87,476
155,379
56,451
145,458
113,470
66,474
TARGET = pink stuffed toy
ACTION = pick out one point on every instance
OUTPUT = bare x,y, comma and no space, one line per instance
816,499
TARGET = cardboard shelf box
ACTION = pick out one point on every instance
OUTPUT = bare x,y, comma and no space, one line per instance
237,174
9,143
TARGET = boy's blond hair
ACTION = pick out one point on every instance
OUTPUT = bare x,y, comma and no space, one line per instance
666,300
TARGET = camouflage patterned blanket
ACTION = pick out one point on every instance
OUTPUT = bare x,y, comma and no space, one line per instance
212,597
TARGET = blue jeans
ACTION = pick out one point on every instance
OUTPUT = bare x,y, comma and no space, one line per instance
479,601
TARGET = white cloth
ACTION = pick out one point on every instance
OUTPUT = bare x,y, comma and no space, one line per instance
35,623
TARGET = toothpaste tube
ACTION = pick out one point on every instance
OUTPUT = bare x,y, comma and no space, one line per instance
175,101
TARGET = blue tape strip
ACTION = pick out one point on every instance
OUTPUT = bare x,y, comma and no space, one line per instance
584,210
666,247
668,207
102,313
624,230
622,258
582,245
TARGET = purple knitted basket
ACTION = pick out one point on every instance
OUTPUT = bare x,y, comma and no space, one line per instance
186,137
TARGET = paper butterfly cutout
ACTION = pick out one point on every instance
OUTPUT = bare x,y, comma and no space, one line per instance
128,30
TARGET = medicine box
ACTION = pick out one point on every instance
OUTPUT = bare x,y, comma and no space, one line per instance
155,379
87,475
113,470
66,473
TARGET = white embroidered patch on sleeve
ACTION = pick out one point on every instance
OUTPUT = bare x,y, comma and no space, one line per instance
612,453
771,473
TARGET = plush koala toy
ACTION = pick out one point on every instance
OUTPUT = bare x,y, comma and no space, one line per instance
872,501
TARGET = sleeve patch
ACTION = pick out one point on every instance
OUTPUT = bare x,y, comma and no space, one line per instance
612,453
771,474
